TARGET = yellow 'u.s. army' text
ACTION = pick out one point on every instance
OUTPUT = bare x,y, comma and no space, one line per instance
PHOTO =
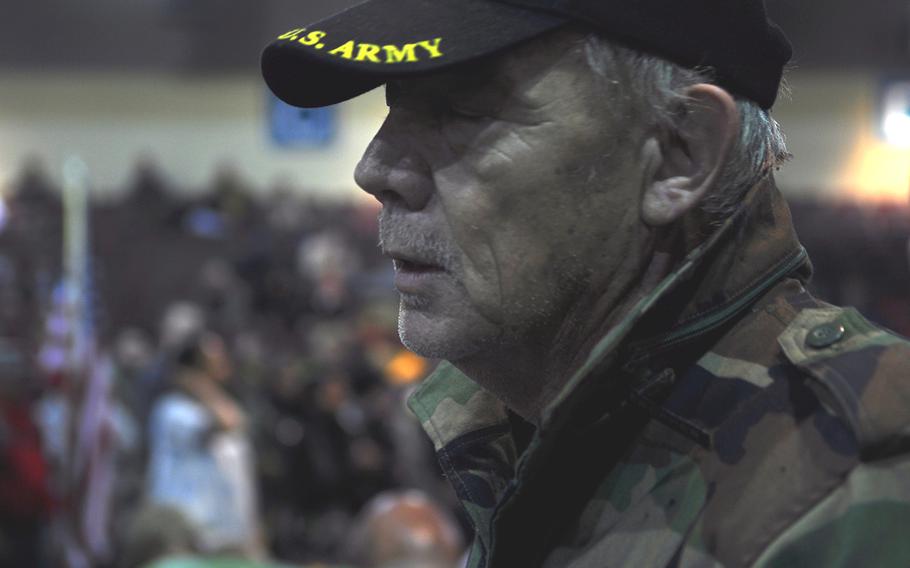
368,52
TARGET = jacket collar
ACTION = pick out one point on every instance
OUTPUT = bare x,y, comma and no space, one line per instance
754,249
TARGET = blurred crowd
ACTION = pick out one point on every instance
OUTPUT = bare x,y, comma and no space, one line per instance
255,400
246,393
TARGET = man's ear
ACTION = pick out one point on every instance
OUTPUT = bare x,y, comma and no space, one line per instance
685,163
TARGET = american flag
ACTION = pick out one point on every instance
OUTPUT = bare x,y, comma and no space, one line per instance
81,405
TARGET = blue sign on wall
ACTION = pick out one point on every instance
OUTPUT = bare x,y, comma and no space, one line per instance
293,127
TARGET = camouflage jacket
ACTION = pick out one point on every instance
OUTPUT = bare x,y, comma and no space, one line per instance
730,420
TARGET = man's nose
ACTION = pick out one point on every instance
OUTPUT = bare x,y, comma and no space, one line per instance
391,169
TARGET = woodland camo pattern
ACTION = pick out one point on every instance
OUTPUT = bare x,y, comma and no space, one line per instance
739,444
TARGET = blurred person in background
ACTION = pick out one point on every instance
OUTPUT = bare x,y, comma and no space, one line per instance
157,532
328,260
404,530
200,459
181,322
25,494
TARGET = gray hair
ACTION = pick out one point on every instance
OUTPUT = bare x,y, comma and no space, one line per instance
653,90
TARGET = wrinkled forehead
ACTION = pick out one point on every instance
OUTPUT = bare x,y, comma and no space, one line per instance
505,73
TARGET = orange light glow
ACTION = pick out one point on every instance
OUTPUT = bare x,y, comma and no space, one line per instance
877,172
405,368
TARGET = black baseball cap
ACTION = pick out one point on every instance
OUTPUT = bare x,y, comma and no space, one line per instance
365,46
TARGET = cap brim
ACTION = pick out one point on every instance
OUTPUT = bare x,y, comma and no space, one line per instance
363,47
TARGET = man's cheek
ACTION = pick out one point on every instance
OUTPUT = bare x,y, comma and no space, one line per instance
472,222
508,274
482,281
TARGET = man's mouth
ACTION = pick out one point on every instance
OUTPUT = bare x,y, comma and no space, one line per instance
415,274
414,266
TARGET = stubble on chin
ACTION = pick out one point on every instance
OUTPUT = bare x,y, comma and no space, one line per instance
452,332
413,302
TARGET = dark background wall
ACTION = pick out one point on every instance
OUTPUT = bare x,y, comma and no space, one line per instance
179,35
224,35
846,33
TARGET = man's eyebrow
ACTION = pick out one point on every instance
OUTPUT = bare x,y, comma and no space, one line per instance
485,79
397,90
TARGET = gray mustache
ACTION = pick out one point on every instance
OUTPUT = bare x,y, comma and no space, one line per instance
397,234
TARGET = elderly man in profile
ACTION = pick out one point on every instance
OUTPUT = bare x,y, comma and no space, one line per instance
579,202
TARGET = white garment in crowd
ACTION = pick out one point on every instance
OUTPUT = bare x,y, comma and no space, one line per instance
205,472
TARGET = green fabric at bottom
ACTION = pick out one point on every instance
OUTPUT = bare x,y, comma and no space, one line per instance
195,562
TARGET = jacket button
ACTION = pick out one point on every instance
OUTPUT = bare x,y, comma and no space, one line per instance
825,335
